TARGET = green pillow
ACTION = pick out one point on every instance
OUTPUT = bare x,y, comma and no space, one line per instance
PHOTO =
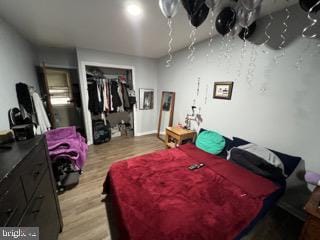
211,142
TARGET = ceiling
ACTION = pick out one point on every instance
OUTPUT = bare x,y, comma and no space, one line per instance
105,25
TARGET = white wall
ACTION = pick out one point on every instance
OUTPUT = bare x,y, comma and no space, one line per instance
285,117
145,70
16,65
57,57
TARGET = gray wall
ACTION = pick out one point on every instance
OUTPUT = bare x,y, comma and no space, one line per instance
16,65
57,57
145,77
285,117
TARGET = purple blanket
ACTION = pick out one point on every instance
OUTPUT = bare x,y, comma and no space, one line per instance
67,143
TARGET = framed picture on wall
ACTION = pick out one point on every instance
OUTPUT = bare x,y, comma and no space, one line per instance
146,97
223,90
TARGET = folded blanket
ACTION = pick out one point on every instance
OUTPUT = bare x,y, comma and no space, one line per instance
67,143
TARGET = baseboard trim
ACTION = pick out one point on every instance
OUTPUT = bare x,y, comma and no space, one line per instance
145,133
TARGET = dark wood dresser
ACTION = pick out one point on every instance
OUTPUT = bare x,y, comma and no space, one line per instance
27,190
311,229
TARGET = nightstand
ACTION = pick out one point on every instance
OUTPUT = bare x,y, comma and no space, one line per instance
177,136
311,228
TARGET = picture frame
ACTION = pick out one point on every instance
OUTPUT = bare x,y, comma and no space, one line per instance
223,90
146,98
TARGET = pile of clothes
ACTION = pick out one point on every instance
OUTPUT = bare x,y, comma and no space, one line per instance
68,153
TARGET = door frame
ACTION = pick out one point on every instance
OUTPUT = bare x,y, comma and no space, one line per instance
85,95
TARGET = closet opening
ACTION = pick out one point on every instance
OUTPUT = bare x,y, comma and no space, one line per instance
111,101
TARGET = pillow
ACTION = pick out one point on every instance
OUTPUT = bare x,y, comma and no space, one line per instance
211,142
289,162
265,154
228,145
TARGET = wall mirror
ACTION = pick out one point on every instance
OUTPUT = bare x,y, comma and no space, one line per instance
166,113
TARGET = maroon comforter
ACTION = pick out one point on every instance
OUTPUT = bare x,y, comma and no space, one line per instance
158,198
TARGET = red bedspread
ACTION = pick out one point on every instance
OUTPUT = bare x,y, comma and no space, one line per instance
158,198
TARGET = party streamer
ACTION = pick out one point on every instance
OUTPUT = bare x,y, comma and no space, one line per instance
304,35
221,50
266,32
313,22
283,37
252,65
206,96
210,45
170,43
242,55
191,46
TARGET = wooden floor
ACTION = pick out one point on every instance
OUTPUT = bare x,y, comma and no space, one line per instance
83,212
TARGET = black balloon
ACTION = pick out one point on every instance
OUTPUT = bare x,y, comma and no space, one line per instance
307,4
226,20
192,6
247,32
200,16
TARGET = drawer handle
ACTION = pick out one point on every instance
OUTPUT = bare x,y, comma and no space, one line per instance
11,212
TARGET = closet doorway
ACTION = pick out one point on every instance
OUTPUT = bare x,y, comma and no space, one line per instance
108,95
60,91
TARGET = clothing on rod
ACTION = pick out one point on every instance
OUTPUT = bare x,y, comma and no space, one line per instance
109,95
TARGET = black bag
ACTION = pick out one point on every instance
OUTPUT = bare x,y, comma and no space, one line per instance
18,117
101,131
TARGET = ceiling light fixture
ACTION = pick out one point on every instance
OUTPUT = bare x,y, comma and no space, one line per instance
134,9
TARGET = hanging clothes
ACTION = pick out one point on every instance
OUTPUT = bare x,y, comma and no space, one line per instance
106,97
24,97
110,97
116,101
132,97
95,92
43,121
120,109
126,103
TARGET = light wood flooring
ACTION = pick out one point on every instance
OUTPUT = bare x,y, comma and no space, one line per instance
84,214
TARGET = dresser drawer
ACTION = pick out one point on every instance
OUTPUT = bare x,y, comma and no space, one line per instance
33,167
12,204
42,211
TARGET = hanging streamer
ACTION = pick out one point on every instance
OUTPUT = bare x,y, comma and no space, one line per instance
252,65
307,28
303,52
206,96
193,39
242,55
210,43
221,50
313,22
229,48
283,37
198,87
170,43
266,33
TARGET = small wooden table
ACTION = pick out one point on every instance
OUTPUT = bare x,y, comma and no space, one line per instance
176,136
311,228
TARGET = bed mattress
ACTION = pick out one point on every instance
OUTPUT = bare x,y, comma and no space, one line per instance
156,196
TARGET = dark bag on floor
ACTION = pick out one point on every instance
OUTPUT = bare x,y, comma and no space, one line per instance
101,131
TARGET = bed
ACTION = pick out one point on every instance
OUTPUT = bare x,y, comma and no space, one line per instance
156,196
